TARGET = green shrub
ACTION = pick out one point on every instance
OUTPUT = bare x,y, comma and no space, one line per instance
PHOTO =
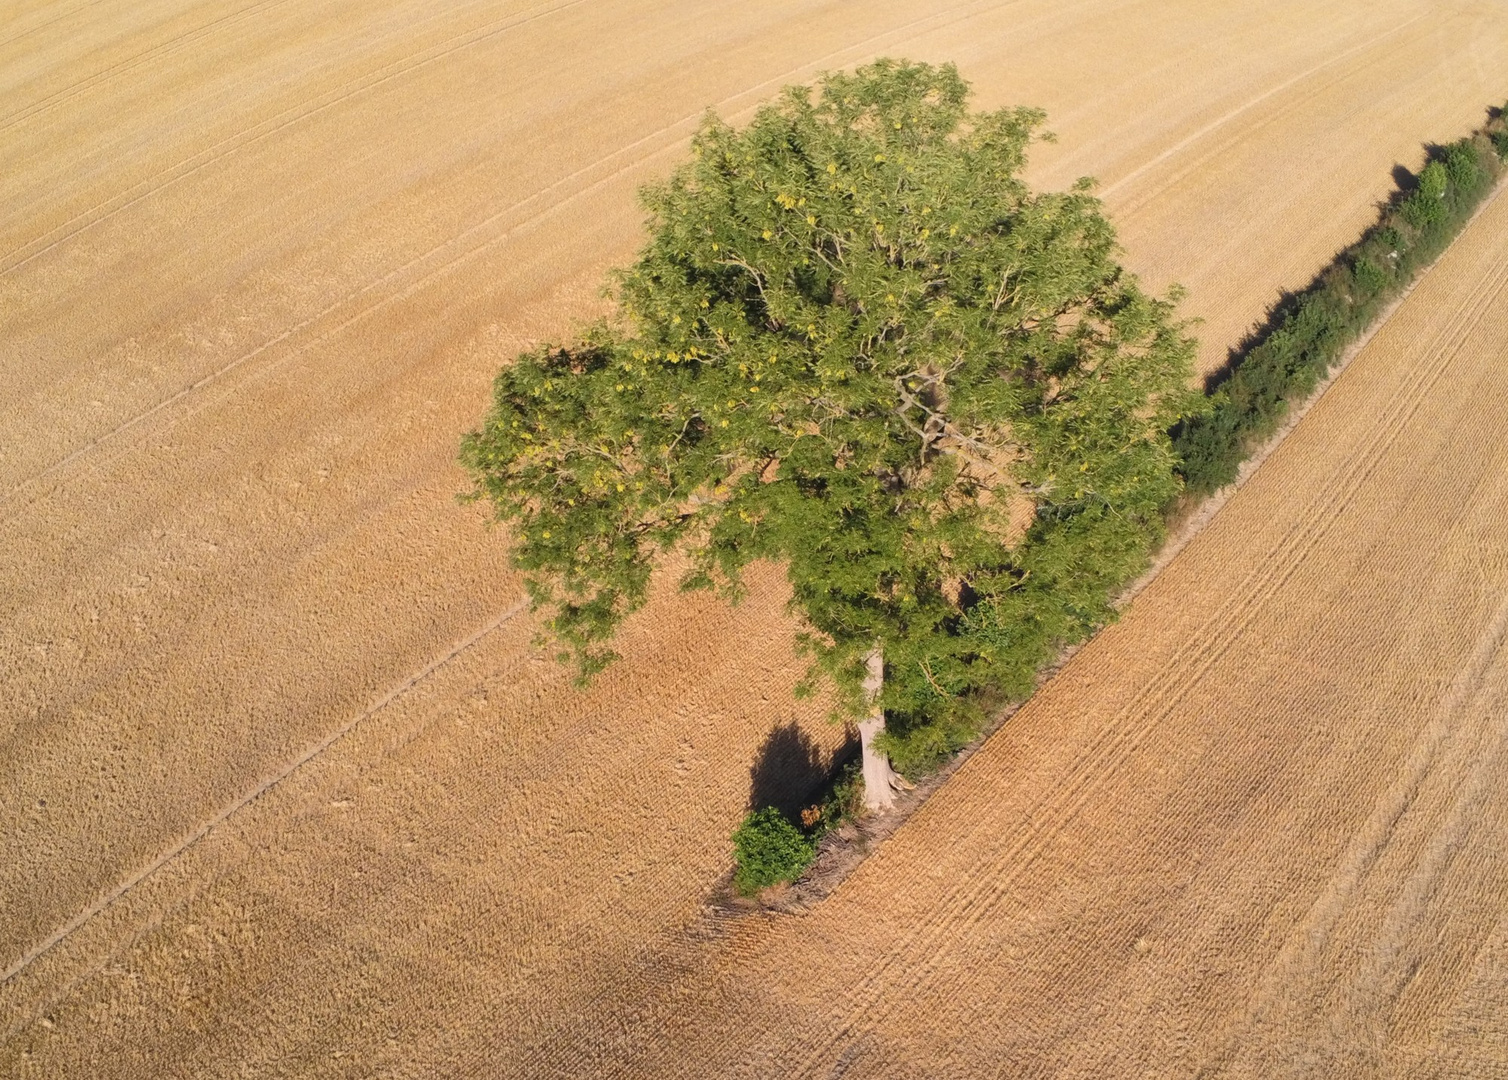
1390,238
768,849
1461,167
1427,204
1371,278
844,800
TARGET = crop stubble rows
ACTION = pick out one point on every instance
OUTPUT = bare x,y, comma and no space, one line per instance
1280,855
251,301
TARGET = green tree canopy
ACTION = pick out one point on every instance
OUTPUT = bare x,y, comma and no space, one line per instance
859,344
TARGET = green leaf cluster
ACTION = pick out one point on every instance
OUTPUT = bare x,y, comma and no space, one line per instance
857,343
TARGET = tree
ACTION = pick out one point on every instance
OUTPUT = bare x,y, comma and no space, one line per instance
856,342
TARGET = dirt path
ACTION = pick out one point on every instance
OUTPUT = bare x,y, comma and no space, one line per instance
258,261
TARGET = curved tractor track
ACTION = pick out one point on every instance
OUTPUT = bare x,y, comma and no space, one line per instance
285,788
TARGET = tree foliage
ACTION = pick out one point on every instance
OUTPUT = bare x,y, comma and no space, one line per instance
857,343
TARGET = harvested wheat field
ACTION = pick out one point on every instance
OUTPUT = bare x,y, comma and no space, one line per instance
286,789
1255,829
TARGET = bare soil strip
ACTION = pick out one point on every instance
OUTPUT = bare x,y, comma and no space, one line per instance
260,262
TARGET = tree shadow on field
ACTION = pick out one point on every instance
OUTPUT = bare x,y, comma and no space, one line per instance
789,770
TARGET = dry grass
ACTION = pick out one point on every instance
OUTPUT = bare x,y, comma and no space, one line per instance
269,804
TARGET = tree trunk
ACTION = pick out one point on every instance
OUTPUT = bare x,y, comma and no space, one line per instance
880,780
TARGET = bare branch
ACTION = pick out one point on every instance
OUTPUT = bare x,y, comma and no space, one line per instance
932,681
775,323
1001,294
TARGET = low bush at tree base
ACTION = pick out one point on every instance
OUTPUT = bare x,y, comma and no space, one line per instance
768,850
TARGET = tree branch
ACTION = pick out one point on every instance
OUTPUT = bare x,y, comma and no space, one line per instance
775,323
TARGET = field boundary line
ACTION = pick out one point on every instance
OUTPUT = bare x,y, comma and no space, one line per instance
208,825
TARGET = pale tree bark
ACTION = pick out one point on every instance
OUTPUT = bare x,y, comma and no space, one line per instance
880,780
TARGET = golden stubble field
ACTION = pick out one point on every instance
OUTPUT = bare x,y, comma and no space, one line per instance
284,788
1256,829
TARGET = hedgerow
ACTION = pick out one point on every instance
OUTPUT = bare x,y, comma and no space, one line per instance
1312,329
